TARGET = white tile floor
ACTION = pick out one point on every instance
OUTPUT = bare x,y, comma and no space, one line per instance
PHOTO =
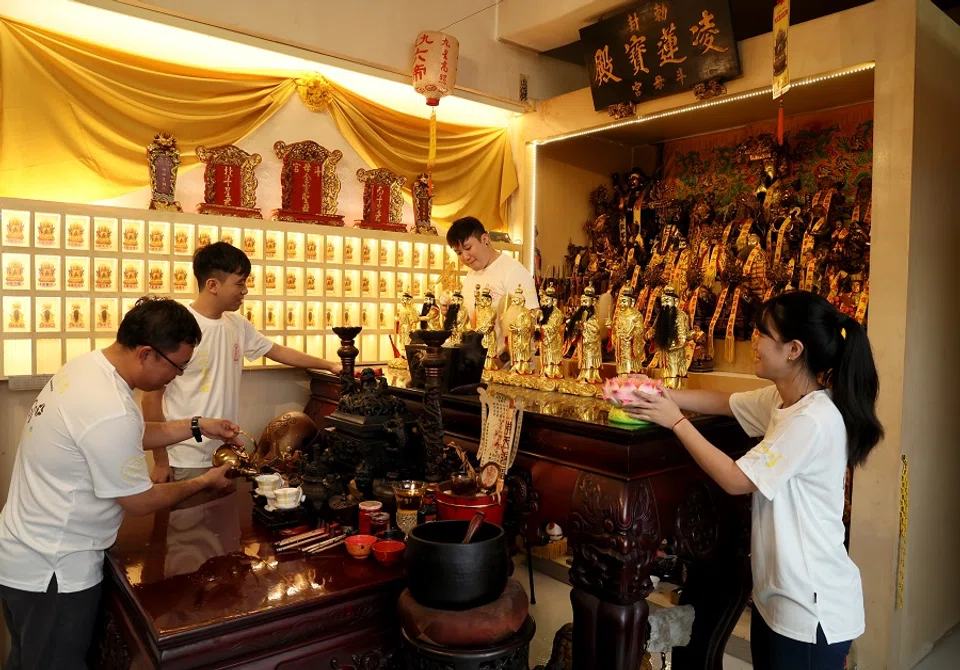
553,610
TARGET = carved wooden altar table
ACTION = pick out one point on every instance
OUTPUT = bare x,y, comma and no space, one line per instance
201,587
617,493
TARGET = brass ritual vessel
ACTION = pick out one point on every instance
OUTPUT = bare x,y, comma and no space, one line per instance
242,463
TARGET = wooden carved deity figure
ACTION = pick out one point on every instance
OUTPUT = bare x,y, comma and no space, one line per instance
783,235
701,216
753,261
823,211
862,208
627,331
671,337
629,202
423,205
770,157
487,327
456,320
522,329
551,335
163,159
740,221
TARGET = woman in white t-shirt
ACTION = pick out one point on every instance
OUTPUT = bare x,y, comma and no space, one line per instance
817,418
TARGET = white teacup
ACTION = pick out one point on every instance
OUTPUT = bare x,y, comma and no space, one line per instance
269,482
288,497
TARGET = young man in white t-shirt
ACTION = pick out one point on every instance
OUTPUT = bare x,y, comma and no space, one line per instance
80,466
490,269
211,384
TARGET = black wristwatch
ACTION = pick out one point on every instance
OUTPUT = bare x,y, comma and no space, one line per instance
195,428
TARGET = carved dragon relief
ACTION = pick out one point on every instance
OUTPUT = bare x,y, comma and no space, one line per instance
697,524
615,533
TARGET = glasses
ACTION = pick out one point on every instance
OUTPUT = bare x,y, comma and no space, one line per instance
181,368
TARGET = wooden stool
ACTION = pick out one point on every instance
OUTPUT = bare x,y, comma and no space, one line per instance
496,635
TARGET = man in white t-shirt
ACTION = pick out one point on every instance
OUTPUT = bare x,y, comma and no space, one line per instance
81,465
211,384
490,269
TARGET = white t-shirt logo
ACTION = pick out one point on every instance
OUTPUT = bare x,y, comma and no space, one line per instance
236,352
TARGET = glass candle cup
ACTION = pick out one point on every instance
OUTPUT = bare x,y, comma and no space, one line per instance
409,495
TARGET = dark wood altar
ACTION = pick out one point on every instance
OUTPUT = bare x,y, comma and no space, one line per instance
202,587
617,493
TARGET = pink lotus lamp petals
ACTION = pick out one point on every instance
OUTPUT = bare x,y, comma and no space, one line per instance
622,390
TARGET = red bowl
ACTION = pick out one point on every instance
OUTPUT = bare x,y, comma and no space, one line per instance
359,546
389,552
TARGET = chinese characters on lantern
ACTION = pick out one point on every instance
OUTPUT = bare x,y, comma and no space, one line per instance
694,44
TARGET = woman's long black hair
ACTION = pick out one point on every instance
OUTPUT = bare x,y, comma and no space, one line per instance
836,350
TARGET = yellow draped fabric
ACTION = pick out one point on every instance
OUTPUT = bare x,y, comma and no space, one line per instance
76,118
474,172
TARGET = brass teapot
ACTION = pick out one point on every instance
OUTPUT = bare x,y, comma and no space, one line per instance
238,458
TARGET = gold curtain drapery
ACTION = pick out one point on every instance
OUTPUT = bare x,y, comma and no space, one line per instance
76,117
473,174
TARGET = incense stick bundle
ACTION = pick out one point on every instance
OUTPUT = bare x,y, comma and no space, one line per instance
304,542
326,544
294,539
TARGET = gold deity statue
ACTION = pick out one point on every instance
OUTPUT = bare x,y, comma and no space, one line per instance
628,335
430,317
551,335
407,320
457,320
521,334
487,327
671,336
589,349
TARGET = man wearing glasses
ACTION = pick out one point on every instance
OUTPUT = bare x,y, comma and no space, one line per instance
211,384
79,467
